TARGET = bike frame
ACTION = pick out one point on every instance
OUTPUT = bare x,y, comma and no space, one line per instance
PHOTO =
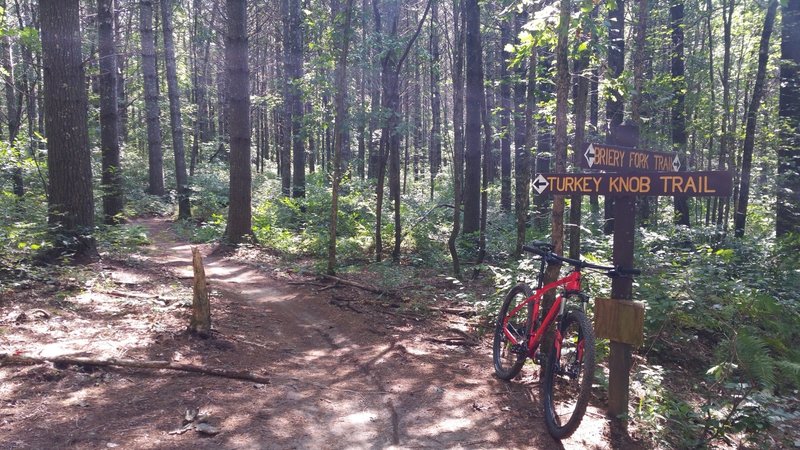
571,283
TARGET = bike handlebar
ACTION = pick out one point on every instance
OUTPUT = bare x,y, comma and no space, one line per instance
545,250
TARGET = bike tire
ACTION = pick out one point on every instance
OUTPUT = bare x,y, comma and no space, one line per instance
507,363
567,383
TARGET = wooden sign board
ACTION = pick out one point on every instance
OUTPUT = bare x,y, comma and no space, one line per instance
690,184
614,158
619,320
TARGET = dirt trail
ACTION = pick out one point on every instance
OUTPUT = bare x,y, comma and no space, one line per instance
341,377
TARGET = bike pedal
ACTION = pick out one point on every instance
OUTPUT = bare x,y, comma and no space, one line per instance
519,349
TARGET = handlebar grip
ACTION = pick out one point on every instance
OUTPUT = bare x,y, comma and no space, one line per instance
629,271
535,250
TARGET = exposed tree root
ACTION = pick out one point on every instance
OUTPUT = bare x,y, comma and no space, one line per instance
9,360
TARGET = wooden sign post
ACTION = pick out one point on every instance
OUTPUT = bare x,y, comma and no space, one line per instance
631,172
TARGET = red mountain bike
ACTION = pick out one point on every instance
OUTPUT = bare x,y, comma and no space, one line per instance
569,366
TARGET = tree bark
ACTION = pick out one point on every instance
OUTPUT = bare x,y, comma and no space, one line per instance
678,121
294,73
458,131
752,113
201,307
435,155
615,107
472,132
524,136
70,197
239,207
13,109
505,118
340,100
581,96
787,211
152,111
111,180
182,181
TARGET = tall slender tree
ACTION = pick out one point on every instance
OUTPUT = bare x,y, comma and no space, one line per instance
111,179
505,117
436,101
342,22
458,130
13,103
615,107
752,113
294,74
70,199
239,207
524,135
472,129
787,211
182,181
152,111
678,122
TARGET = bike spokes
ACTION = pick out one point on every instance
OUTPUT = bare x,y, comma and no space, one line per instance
511,332
568,376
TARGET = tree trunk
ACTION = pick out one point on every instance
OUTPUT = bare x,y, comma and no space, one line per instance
13,110
581,96
524,137
752,113
294,73
505,118
678,121
239,207
728,7
639,64
182,181
154,152
458,131
472,133
787,213
435,155
201,307
70,198
340,101
615,107
111,181
284,111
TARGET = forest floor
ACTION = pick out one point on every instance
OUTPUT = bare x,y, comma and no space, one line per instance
346,369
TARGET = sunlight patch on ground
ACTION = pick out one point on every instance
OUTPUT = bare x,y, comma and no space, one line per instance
454,424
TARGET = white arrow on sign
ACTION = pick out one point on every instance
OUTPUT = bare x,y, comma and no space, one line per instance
589,155
540,183
676,163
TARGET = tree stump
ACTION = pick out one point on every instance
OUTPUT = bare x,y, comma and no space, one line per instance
201,308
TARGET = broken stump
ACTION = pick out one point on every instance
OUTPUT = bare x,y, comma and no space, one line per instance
201,307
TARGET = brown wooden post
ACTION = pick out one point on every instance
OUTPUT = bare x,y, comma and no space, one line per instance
619,360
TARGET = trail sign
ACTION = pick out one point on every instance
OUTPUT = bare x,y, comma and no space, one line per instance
693,184
624,159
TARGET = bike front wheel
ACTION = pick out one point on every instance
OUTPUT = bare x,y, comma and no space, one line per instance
508,357
568,376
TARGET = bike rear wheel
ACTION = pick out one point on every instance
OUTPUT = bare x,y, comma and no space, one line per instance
508,358
568,375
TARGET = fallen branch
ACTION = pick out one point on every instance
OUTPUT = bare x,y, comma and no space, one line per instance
459,312
8,360
354,284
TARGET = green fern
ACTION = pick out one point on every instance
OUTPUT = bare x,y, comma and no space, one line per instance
790,370
755,360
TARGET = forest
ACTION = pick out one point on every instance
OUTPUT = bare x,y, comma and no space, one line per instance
383,162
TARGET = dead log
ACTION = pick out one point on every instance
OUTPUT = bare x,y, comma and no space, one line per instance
357,285
21,360
201,308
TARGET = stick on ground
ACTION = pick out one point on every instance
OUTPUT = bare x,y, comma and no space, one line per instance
12,360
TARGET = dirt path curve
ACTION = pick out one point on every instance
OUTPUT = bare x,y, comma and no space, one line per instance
341,378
